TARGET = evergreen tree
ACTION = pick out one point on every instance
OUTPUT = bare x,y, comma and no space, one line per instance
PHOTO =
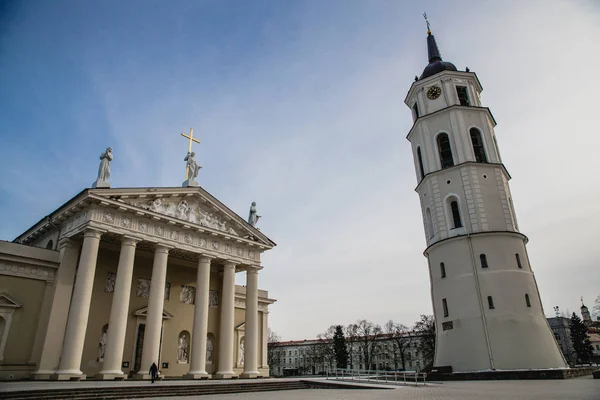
580,339
425,328
339,347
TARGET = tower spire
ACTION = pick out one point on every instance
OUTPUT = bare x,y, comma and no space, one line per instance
432,47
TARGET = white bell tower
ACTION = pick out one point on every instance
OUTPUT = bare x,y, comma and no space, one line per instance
486,302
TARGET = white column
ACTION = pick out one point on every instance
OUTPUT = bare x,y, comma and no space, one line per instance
265,339
251,337
198,356
155,311
59,310
225,365
117,323
70,361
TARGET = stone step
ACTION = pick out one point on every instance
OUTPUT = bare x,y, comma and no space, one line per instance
130,392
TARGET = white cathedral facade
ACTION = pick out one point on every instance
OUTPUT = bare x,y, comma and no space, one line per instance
485,297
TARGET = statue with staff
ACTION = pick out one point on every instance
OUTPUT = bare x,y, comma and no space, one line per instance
191,166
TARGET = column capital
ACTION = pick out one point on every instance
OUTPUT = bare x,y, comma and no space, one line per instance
93,232
253,268
229,264
162,248
205,258
66,242
127,240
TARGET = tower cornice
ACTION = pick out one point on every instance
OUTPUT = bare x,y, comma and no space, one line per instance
416,85
450,108
478,234
504,170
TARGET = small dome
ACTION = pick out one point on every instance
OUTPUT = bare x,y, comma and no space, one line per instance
436,67
436,64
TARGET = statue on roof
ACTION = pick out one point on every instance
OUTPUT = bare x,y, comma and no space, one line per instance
192,169
104,169
253,216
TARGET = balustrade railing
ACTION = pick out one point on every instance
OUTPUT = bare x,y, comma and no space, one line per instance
387,377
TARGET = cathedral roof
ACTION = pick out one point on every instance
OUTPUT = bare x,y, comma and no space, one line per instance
436,64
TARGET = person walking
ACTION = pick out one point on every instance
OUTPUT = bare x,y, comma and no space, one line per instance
153,371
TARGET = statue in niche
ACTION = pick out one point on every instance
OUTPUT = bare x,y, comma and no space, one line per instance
182,349
104,169
102,343
241,358
209,349
253,216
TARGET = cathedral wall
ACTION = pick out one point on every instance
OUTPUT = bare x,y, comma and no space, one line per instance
21,336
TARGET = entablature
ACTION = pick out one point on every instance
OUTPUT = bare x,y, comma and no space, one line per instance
458,166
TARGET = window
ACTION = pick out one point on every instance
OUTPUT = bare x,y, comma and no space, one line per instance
478,148
290,353
429,223
518,260
445,306
443,142
420,159
416,110
527,301
443,270
463,96
483,260
455,214
490,302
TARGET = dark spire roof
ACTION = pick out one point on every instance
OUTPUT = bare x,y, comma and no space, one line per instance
436,64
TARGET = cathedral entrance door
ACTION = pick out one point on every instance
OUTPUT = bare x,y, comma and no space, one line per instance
139,347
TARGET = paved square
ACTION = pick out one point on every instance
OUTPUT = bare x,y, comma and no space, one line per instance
584,388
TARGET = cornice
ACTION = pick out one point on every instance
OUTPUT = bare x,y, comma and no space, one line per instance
456,166
448,109
441,75
478,234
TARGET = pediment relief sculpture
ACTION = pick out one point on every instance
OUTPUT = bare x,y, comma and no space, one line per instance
185,210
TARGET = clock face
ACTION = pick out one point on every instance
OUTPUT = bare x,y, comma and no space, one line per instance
434,92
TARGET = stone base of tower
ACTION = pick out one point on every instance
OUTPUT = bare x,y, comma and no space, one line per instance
559,373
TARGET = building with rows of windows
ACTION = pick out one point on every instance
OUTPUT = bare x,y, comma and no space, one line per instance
315,356
485,297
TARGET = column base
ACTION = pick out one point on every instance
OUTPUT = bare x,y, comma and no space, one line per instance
67,376
197,375
225,375
42,375
250,375
109,376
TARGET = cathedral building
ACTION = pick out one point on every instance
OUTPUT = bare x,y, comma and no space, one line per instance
115,280
485,297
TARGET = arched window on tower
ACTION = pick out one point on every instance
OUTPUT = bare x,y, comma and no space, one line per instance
518,260
455,214
445,307
477,142
442,270
527,300
490,303
430,232
50,245
420,160
445,150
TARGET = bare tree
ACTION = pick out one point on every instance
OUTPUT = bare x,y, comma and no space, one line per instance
368,334
351,332
401,338
273,356
325,347
596,308
425,328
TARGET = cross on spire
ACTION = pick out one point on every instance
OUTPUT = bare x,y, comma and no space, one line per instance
427,21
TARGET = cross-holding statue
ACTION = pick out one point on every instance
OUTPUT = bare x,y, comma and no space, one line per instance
253,216
104,169
191,166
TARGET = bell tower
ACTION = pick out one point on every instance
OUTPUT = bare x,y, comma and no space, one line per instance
485,297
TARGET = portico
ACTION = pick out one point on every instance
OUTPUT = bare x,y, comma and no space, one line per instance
169,251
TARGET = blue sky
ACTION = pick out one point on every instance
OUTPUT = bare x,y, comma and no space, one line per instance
299,107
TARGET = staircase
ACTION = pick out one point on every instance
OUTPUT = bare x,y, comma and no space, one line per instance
157,390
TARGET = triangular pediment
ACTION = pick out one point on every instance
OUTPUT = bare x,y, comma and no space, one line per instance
191,205
7,301
143,312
